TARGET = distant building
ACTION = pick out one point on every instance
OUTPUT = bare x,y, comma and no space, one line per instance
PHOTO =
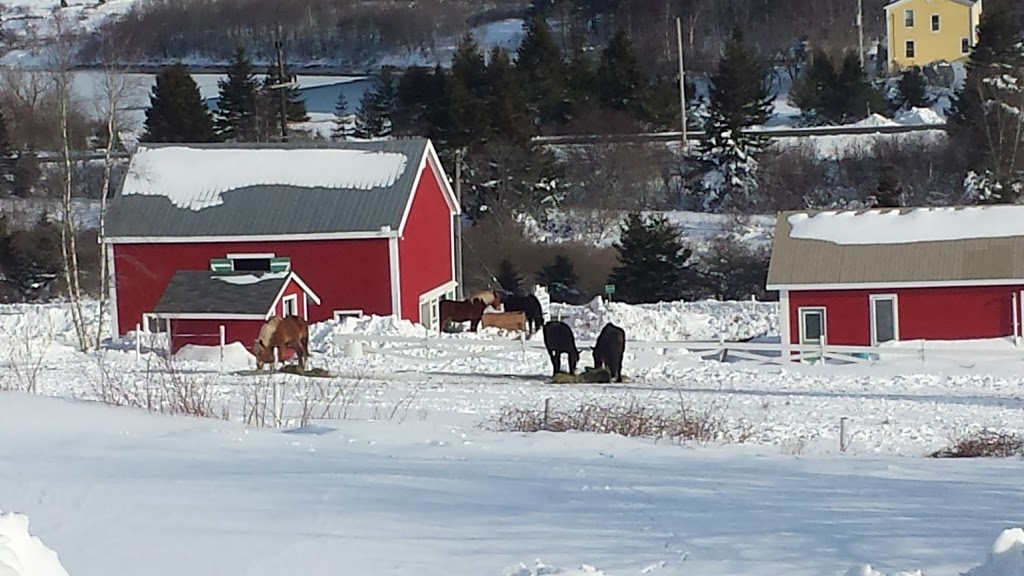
920,32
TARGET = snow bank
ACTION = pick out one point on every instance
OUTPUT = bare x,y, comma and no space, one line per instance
672,321
919,116
22,554
235,354
875,120
541,569
1006,557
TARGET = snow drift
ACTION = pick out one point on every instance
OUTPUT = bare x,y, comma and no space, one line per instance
22,554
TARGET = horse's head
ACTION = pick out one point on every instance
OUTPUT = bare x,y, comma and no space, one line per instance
262,354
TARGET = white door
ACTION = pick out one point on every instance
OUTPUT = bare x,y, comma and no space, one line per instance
884,319
290,304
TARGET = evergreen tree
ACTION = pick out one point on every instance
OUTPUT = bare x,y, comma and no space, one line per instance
387,96
814,92
855,98
341,130
541,72
739,99
421,103
26,173
236,107
7,158
468,94
889,193
176,111
508,277
985,118
505,99
912,89
652,261
295,106
561,279
580,79
619,80
369,122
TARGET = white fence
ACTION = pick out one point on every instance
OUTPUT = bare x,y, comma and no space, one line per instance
439,347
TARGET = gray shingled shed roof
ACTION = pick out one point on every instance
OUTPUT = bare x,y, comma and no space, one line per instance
145,205
959,258
206,292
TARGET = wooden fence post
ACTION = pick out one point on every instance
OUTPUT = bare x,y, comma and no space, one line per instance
223,337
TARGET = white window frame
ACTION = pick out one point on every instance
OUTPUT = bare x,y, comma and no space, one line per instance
895,317
910,49
147,318
804,310
935,23
294,300
908,18
253,256
340,315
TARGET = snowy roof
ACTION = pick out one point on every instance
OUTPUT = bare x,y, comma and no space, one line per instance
265,189
206,292
851,247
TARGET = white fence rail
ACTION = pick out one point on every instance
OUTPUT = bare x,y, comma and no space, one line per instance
434,347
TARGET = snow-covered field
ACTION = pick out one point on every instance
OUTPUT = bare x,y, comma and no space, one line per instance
408,476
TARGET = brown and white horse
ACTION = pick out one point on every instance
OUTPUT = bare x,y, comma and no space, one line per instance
488,297
290,332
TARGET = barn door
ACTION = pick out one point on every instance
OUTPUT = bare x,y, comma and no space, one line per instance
884,321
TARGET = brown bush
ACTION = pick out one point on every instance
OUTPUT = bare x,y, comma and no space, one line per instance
983,444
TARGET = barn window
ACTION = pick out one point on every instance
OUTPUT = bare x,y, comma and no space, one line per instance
251,263
341,315
290,305
812,326
154,324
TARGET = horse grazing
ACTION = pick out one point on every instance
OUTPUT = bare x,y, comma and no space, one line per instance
558,339
528,304
461,311
290,332
488,297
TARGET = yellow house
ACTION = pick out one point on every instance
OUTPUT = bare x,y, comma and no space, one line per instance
925,31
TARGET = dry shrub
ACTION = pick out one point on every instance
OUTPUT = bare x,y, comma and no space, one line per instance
984,443
162,387
490,241
634,419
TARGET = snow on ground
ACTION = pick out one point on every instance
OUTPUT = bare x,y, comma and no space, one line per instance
21,553
403,474
602,227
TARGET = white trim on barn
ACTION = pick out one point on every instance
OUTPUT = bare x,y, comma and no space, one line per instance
339,315
431,301
115,330
292,277
785,334
370,235
896,285
208,316
873,319
292,299
430,157
249,256
396,280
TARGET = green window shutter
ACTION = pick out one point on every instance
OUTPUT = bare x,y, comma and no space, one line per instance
280,264
220,265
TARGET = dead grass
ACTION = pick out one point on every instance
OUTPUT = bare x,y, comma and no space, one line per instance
685,423
161,387
589,375
983,443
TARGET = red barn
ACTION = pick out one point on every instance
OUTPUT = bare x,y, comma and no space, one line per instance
368,226
866,277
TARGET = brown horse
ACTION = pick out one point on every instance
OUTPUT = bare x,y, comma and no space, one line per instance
488,297
290,332
461,311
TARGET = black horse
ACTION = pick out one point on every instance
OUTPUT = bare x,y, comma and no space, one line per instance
528,305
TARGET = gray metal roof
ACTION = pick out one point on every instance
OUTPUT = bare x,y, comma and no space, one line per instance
206,292
263,210
805,261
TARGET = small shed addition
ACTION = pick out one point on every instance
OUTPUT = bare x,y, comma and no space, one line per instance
865,277
197,303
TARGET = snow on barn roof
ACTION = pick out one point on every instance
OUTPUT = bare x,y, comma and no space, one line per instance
192,190
902,245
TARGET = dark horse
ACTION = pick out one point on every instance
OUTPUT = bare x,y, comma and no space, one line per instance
527,304
461,311
290,332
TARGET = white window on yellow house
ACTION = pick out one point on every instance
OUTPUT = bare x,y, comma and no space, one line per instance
910,48
908,18
935,22
965,45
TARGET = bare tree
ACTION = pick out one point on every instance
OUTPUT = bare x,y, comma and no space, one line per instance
115,87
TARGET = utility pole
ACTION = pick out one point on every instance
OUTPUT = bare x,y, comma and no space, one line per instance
682,81
860,33
283,90
460,291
